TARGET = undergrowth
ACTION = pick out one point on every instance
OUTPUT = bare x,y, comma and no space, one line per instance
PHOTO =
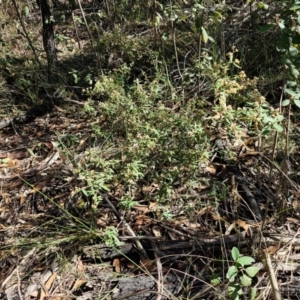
169,104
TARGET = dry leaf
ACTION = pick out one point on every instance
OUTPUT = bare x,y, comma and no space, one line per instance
211,169
205,210
243,224
149,264
273,249
47,286
156,231
142,208
79,282
101,223
80,266
18,154
153,206
117,264
293,220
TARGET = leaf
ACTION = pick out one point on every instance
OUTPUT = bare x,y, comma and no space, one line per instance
198,23
284,43
291,83
294,72
296,7
266,130
293,51
262,5
231,273
234,290
252,293
243,224
291,92
277,127
281,24
297,102
245,260
245,280
215,280
252,271
235,253
266,27
285,102
296,38
204,35
26,10
280,118
84,191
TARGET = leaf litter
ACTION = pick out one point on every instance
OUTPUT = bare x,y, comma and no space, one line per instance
39,228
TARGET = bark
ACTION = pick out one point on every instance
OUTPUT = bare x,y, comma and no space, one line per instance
48,38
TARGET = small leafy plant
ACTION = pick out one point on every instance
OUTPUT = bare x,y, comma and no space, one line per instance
239,276
111,237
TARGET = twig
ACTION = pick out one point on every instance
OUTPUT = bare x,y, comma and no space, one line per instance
284,175
74,101
270,176
25,32
274,284
89,33
19,283
130,231
160,279
76,31
139,238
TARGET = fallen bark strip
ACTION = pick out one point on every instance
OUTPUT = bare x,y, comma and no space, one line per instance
138,287
104,252
34,112
37,111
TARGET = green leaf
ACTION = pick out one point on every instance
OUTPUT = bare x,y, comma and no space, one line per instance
266,130
285,60
277,127
198,23
235,253
204,35
281,24
291,83
26,10
252,271
297,102
279,118
296,7
284,43
294,72
30,151
252,293
231,273
215,280
285,102
234,290
245,280
267,119
291,92
296,38
266,28
262,5
84,191
245,260
293,51
4,160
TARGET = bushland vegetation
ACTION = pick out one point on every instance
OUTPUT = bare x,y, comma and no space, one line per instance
158,139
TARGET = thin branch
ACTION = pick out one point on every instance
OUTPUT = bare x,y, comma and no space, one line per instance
129,230
25,32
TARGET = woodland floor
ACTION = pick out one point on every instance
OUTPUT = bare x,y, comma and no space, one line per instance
50,250
52,246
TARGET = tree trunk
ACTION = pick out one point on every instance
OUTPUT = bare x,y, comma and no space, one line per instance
48,38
